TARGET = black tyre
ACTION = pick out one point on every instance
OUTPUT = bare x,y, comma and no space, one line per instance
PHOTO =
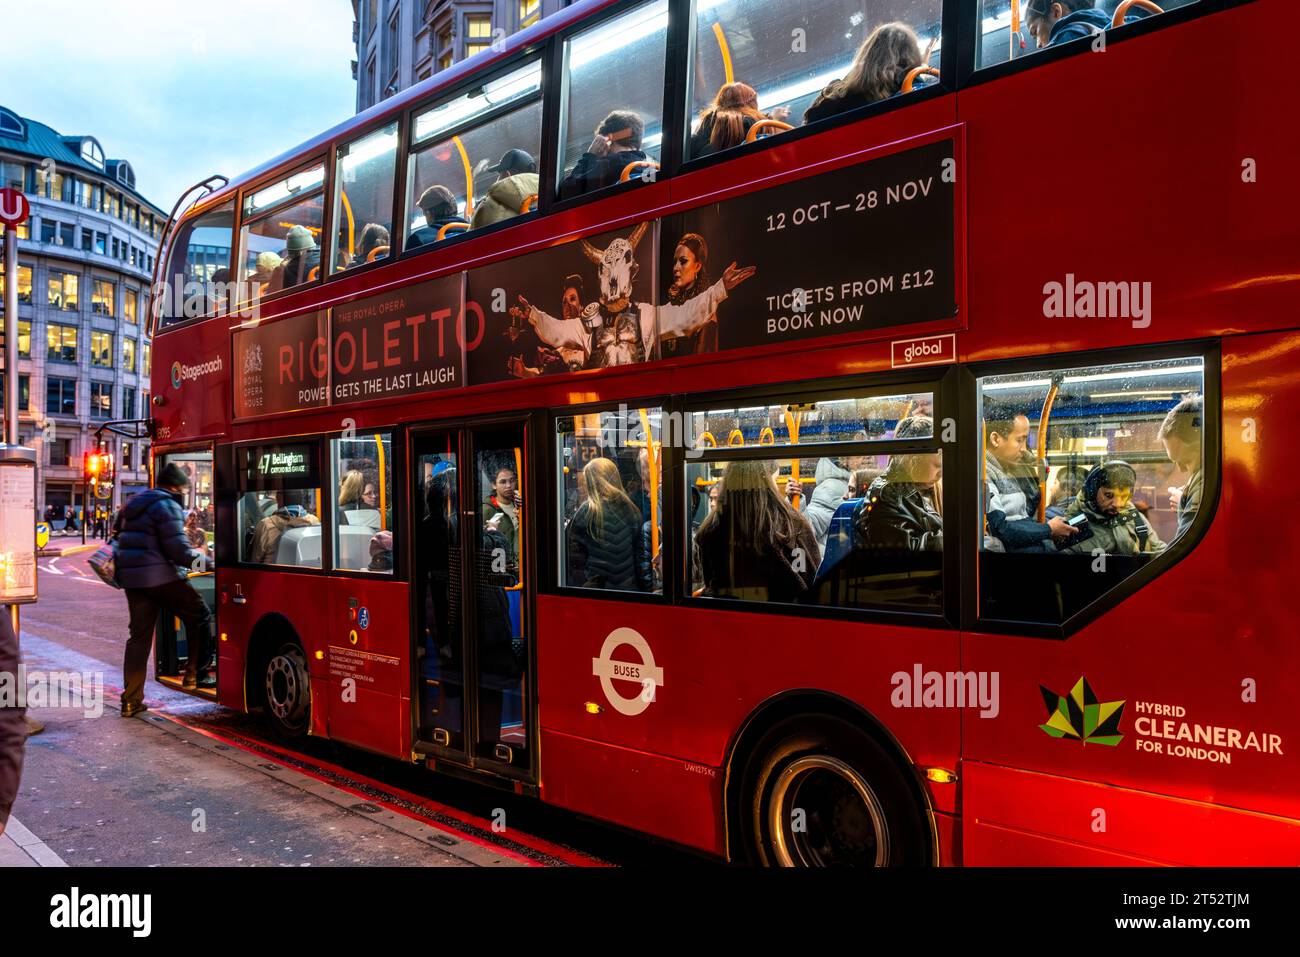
287,692
820,793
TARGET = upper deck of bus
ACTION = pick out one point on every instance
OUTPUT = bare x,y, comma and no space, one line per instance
1124,164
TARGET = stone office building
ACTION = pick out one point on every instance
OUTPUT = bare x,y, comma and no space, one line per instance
85,260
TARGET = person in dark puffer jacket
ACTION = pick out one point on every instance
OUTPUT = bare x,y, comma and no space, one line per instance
604,537
153,557
13,728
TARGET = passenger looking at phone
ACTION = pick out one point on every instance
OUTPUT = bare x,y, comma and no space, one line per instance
1106,516
1012,492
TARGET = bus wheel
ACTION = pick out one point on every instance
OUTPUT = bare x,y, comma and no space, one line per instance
820,793
288,692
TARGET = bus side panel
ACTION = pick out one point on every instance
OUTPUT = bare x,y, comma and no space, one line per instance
1203,658
1021,818
233,629
191,381
713,668
368,649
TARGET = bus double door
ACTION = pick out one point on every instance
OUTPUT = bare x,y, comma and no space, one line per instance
470,596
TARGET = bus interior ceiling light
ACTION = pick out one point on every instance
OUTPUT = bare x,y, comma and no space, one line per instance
452,113
618,33
369,148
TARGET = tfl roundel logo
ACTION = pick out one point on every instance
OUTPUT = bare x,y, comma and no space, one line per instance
176,375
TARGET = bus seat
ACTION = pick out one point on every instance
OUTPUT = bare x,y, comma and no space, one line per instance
839,536
528,205
1123,9
909,83
314,274
766,128
452,228
368,517
376,253
630,168
354,546
299,546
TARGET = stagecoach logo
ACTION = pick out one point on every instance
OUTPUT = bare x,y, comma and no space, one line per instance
1079,715
644,674
183,373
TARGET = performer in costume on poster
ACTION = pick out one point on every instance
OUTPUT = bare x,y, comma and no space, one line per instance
547,360
690,267
614,330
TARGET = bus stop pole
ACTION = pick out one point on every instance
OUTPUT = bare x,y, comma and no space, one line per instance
11,383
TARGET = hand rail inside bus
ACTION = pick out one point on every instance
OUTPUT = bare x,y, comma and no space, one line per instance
793,419
1122,10
352,224
639,164
652,469
376,253
727,69
766,128
1044,424
382,489
452,228
910,82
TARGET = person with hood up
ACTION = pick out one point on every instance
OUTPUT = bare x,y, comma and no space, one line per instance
604,546
1117,527
754,545
516,181
153,560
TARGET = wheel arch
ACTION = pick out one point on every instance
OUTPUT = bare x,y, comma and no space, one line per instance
271,630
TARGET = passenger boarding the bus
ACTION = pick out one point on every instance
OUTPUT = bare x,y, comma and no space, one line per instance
302,256
603,542
725,123
1054,23
889,53
899,511
617,143
753,545
1113,523
440,209
516,181
501,508
1012,492
1181,434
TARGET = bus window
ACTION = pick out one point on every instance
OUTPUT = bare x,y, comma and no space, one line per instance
279,245
279,509
1100,468
363,503
770,60
363,199
197,280
611,500
474,159
611,120
1044,24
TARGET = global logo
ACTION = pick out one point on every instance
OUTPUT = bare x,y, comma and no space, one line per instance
1081,716
176,375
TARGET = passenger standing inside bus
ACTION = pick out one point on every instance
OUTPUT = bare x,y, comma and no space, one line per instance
1181,434
754,545
438,204
879,69
516,182
303,255
725,122
350,494
153,559
603,540
501,509
617,143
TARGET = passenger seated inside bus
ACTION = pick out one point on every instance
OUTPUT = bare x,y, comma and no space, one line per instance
1053,23
265,546
604,546
889,53
753,545
617,143
440,209
1181,435
1063,484
257,282
517,181
302,255
373,237
1109,520
725,123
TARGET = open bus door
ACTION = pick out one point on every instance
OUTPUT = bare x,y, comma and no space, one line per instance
470,591
172,647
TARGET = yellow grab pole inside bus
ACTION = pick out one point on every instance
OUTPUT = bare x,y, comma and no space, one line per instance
383,492
792,419
1044,420
352,225
469,184
652,466
725,51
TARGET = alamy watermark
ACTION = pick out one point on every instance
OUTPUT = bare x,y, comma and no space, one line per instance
1081,299
919,688
53,689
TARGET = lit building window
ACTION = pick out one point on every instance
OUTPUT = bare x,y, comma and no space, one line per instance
478,30
530,11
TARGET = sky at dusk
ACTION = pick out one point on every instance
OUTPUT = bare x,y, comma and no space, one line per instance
180,89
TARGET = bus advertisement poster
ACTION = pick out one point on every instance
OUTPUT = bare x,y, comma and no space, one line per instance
400,343
863,247
282,366
581,305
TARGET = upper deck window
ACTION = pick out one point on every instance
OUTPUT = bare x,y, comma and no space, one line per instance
1045,24
611,118
363,198
787,64
280,247
198,268
475,157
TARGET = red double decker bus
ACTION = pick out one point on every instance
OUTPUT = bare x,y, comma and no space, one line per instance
833,432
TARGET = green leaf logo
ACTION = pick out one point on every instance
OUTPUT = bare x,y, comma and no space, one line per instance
1081,716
